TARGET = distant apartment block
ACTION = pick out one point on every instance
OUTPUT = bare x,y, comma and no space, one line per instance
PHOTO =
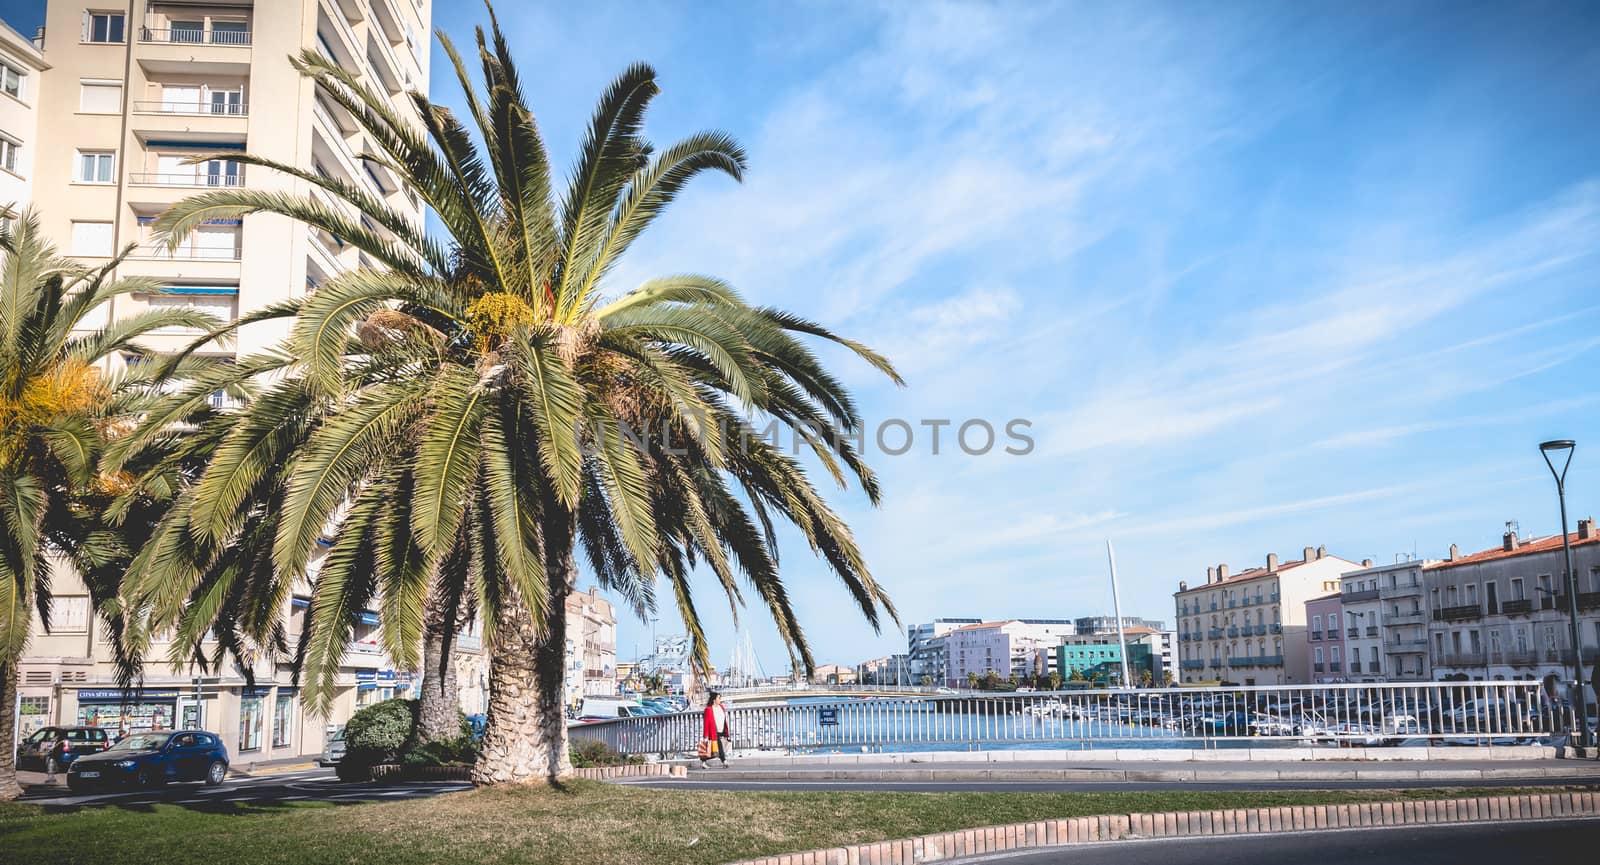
1249,627
1385,623
925,651
1018,647
1504,613
1325,638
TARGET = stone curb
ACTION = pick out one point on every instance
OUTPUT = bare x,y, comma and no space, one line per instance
642,770
945,846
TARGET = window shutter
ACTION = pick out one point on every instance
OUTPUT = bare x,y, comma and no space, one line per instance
100,98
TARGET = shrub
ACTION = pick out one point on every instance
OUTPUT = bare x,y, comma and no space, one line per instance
590,753
376,734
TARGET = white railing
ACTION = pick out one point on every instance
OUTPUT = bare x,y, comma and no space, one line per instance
168,106
1465,713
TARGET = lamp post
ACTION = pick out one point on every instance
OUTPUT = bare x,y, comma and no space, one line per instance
1564,448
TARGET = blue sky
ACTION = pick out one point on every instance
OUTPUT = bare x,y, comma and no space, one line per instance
1261,275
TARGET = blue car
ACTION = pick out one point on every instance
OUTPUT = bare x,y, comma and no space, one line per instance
149,759
40,750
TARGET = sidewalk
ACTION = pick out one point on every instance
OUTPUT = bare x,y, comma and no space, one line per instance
1112,770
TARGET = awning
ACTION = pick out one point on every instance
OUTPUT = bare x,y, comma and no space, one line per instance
368,618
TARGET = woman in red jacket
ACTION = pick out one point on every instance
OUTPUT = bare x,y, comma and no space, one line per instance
715,728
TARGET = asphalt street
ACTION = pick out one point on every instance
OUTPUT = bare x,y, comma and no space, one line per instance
310,785
1526,843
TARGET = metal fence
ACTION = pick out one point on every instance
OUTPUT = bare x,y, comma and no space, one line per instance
1463,713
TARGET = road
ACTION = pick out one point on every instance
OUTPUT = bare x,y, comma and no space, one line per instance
1528,843
310,785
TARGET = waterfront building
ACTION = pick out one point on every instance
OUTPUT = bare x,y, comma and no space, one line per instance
1385,623
1503,613
1325,650
888,670
1017,647
1108,624
591,646
1249,627
925,648
140,104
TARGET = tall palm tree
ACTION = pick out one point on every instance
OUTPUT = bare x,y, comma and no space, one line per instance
472,415
58,404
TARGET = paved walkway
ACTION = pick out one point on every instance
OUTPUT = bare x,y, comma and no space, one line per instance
1214,771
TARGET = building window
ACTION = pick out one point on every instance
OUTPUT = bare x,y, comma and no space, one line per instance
282,720
96,166
12,79
104,27
1516,589
249,723
91,239
69,614
8,154
100,97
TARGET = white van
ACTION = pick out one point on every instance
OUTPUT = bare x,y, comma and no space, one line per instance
605,708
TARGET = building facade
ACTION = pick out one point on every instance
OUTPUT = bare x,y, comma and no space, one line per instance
1249,628
1503,613
1325,639
1018,647
591,646
140,104
21,65
1108,624
925,649
1386,615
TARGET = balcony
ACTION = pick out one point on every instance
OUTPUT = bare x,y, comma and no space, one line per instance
1193,664
1233,631
1242,661
1405,616
1318,667
1520,607
1355,666
1403,590
187,178
1460,613
1316,635
1336,666
188,252
1214,633
1213,605
1356,597
1372,630
1352,632
237,36
1274,628
1462,659
1406,647
1232,603
191,108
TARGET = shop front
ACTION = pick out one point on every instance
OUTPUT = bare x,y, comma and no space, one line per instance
123,712
375,686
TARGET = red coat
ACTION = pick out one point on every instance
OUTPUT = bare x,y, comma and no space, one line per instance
709,727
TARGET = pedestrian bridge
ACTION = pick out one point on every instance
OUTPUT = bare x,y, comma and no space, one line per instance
874,720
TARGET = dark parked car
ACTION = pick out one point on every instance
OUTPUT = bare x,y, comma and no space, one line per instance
37,751
148,759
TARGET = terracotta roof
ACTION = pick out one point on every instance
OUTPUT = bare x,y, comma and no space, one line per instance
1524,548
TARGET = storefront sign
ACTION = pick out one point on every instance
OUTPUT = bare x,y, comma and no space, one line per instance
86,695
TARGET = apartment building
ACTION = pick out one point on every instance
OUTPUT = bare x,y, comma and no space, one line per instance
1017,647
1249,627
127,96
21,63
1325,638
1504,613
1108,624
591,645
925,651
1385,610
1148,649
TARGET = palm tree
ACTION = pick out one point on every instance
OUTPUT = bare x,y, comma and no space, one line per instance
58,404
473,417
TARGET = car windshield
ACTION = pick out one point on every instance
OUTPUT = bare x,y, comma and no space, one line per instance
140,742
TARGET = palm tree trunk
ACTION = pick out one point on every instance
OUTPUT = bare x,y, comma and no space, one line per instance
438,712
9,788
526,739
